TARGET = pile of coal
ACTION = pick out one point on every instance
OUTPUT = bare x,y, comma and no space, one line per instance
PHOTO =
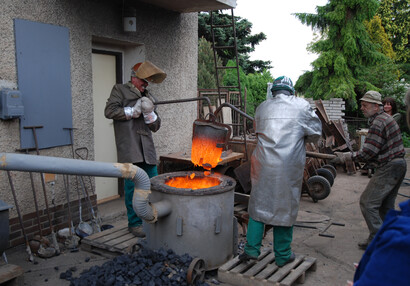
146,267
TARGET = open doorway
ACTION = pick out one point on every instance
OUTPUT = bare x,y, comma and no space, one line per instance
107,71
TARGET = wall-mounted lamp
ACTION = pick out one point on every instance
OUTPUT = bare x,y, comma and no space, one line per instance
130,19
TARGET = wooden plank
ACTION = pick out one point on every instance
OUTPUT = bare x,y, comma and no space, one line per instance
230,264
270,268
117,226
266,271
111,242
120,239
260,265
123,246
299,272
243,266
9,272
285,270
111,236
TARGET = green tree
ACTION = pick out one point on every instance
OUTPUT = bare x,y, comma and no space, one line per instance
379,37
347,55
206,66
255,84
245,41
394,15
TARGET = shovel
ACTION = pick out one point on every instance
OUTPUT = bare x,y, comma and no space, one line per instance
83,229
71,242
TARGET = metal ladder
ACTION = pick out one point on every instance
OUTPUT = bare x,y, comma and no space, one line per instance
237,120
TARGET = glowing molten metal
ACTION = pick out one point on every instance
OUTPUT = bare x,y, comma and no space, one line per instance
205,153
192,182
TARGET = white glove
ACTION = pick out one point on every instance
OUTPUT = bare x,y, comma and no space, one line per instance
147,106
149,117
133,112
341,158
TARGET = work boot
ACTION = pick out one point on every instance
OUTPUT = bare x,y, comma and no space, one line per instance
363,244
291,259
137,231
244,257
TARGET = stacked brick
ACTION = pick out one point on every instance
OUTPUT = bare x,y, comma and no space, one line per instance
59,218
334,107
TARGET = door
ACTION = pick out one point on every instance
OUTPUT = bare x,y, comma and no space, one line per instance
104,78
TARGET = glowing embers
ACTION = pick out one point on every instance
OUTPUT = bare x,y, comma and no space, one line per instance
205,152
192,182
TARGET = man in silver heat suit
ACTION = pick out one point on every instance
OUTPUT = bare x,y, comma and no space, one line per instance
283,124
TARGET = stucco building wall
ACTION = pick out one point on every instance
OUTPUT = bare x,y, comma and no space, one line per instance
166,38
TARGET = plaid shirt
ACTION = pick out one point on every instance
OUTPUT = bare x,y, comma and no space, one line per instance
383,142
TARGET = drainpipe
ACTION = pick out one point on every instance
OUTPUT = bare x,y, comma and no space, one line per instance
149,212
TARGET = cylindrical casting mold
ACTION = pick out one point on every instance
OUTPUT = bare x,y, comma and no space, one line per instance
200,223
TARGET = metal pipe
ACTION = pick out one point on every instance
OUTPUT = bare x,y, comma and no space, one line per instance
234,108
187,100
145,210
320,155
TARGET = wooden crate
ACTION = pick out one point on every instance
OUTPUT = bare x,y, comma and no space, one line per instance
264,271
111,242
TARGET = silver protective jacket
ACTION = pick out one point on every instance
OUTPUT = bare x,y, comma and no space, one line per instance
283,125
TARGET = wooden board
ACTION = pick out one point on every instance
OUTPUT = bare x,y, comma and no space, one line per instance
111,242
8,272
264,271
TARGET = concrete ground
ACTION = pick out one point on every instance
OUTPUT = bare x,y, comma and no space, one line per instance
335,256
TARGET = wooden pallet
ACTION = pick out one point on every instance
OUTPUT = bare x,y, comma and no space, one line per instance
264,271
111,242
11,274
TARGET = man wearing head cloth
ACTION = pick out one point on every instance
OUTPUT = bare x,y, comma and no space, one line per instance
383,146
131,107
283,124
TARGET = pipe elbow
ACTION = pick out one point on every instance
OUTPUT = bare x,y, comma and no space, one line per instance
149,212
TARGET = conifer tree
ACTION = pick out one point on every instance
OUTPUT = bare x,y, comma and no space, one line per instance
346,53
206,65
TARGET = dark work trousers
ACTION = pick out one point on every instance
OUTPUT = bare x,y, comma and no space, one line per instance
380,193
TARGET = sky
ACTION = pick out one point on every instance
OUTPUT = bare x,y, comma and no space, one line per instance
287,37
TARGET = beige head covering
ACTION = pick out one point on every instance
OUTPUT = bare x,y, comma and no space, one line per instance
148,71
372,97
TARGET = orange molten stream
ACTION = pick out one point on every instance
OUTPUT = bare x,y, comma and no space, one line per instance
205,153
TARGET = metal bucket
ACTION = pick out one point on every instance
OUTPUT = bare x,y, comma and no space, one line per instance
200,223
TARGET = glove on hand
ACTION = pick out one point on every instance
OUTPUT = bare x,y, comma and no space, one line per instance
149,117
133,112
147,106
341,158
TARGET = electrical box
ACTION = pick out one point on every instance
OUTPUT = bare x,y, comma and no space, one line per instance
11,104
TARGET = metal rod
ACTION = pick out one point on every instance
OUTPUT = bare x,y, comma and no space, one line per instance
187,100
234,108
56,246
67,193
320,155
35,203
19,217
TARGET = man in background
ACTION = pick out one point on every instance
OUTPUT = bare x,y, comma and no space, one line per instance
383,146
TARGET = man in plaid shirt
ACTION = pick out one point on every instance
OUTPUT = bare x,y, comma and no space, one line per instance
384,146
